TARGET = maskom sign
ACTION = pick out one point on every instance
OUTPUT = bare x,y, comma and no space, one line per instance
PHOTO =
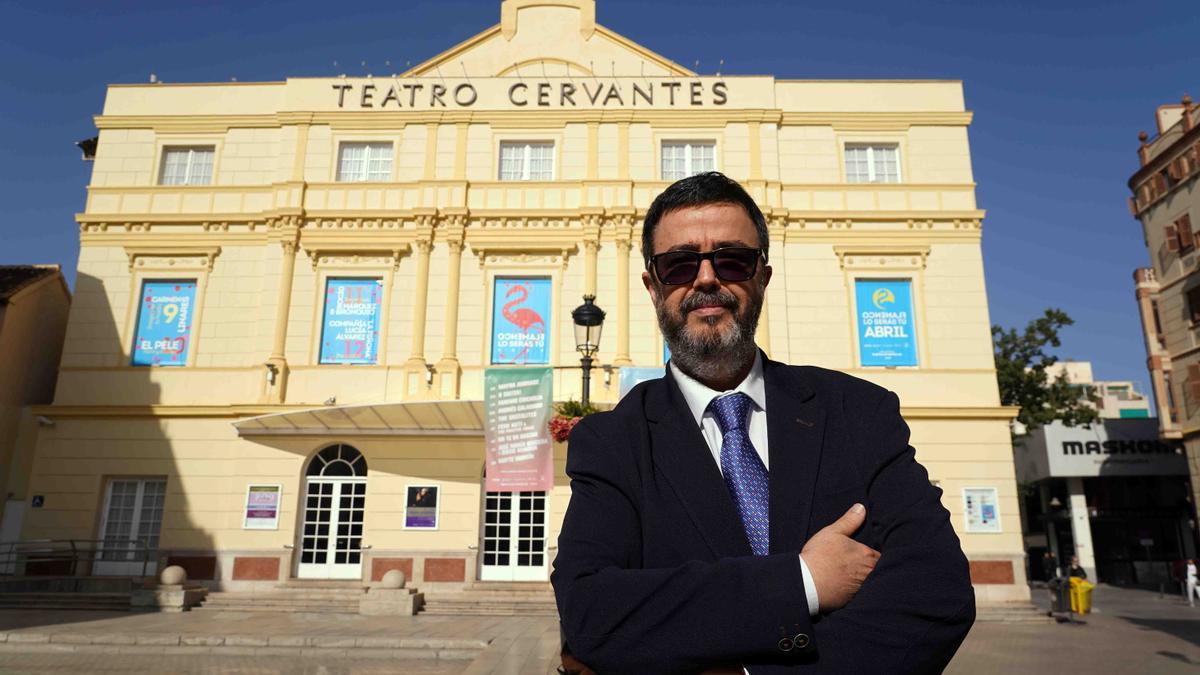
1111,447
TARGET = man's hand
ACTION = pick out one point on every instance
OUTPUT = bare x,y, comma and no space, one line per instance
837,563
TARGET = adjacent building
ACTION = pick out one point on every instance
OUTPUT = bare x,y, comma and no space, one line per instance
34,301
289,294
1166,200
1112,399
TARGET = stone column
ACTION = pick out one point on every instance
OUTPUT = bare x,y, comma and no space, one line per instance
275,382
593,150
415,370
624,240
1081,527
756,151
448,367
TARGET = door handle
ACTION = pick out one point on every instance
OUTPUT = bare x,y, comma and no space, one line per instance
289,547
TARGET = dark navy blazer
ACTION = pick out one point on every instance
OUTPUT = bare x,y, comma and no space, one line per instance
654,572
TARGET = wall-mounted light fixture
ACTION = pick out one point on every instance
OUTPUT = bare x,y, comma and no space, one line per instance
607,375
272,372
429,374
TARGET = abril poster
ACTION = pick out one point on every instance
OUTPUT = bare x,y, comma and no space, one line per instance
520,316
164,326
886,330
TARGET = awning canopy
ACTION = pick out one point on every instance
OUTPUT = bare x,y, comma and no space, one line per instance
423,418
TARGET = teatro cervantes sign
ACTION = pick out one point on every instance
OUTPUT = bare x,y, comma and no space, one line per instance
591,93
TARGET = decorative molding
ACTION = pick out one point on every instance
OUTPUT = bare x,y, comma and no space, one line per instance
199,258
363,255
881,257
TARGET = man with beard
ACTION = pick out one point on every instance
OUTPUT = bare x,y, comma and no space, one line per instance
740,514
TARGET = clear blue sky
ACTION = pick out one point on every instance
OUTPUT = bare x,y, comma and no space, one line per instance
1059,90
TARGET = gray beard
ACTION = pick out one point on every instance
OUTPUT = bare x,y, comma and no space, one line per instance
711,356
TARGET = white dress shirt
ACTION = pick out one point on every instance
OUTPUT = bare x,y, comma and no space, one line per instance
698,398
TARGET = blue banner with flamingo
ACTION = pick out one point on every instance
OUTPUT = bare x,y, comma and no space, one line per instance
520,320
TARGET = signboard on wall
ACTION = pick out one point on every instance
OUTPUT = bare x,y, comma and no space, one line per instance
632,377
1109,447
262,507
886,330
517,404
421,507
164,325
520,321
350,329
982,509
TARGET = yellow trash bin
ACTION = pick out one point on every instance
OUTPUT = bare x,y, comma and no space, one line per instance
1081,595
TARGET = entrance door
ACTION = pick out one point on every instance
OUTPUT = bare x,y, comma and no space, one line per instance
514,537
133,510
335,494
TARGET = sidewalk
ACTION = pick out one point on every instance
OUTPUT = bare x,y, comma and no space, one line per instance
468,644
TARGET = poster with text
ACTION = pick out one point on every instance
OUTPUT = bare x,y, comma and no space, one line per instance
517,406
262,507
164,325
520,321
350,330
981,506
421,507
886,330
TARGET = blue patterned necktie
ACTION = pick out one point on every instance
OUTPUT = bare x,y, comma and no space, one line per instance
745,474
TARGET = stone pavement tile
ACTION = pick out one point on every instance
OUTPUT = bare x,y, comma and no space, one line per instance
88,664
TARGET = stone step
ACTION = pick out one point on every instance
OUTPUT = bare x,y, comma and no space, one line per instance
298,595
308,584
1016,613
278,609
487,611
93,601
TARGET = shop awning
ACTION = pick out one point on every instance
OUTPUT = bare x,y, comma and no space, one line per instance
423,418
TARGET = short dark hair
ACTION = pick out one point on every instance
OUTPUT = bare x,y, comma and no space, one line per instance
700,190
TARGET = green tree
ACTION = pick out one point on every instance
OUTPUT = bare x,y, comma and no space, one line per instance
1021,362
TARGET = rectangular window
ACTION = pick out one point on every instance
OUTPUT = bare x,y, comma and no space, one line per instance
886,328
683,159
520,319
1193,303
350,330
360,162
164,323
187,165
527,161
872,164
1183,232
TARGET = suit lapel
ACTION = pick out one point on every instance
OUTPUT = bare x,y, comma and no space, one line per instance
795,432
681,454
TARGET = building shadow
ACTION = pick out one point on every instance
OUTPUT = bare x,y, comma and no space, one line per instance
1184,629
107,465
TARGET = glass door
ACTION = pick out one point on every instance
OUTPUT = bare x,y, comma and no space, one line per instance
514,537
133,510
335,495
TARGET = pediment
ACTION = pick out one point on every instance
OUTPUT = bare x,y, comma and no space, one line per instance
552,39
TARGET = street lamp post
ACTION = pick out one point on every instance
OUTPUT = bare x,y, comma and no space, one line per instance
589,320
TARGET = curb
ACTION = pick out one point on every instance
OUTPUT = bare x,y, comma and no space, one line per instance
445,649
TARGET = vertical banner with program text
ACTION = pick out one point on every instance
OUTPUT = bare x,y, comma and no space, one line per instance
517,404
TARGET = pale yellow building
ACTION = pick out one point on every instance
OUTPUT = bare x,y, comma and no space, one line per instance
528,152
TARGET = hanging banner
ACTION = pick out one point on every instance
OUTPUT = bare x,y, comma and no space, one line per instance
517,403
520,314
164,327
886,330
350,331
262,507
632,377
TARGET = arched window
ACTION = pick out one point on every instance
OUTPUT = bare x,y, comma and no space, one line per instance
340,461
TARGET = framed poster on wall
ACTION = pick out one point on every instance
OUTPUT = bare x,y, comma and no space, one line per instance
884,316
421,507
262,507
164,323
982,509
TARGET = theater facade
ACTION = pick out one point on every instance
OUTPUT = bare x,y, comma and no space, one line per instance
289,293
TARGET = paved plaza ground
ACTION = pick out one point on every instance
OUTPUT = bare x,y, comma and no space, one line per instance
1131,631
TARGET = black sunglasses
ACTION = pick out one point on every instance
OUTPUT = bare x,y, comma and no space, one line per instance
730,264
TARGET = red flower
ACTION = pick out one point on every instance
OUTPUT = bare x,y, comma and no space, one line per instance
560,427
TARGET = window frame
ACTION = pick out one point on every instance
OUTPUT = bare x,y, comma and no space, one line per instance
191,148
527,146
366,174
688,145
871,147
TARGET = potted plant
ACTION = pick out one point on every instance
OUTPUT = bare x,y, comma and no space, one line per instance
566,415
